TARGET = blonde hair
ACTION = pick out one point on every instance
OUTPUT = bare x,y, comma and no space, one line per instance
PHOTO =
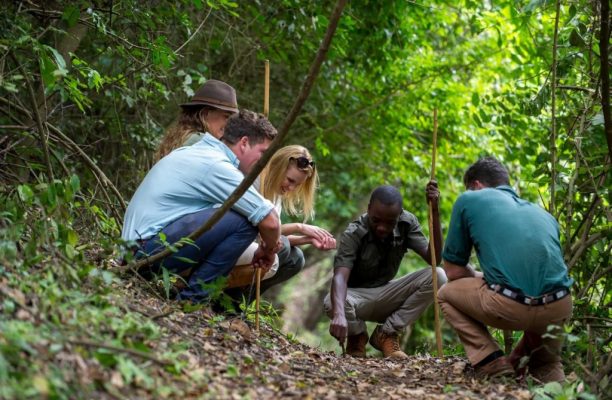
299,201
191,120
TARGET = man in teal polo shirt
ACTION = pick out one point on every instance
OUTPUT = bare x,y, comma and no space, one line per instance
185,188
523,285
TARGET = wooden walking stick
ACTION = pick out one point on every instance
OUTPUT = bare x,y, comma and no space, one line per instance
432,243
266,111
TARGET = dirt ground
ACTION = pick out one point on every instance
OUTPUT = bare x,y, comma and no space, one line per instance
228,359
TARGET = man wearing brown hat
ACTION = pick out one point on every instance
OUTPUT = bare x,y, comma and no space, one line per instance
207,111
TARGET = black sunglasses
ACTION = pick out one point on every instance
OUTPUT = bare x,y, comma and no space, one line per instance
303,162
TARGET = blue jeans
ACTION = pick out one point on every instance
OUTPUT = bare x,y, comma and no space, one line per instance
214,253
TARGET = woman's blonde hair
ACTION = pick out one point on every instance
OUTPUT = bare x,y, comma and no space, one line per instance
299,201
191,120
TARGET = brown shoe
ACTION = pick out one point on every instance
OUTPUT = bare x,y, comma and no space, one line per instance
496,368
356,344
387,343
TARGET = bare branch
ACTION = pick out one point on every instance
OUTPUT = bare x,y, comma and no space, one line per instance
553,133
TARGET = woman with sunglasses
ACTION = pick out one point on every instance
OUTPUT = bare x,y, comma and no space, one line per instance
289,180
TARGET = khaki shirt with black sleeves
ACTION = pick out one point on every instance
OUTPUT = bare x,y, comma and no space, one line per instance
373,262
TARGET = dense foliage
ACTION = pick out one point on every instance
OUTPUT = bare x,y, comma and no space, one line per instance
87,89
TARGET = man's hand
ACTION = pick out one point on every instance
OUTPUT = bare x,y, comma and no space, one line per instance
263,259
432,193
338,328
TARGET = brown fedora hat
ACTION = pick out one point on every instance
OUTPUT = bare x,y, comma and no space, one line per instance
215,94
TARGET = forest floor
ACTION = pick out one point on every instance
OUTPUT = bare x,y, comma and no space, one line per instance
228,359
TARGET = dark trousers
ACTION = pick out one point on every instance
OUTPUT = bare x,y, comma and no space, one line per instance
290,262
212,255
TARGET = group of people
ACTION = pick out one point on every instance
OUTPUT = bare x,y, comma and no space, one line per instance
205,155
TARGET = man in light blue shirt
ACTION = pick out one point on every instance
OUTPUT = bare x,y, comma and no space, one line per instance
183,190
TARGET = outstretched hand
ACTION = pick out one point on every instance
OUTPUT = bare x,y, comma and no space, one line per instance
321,239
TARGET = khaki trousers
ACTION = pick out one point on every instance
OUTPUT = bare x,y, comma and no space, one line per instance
395,304
470,306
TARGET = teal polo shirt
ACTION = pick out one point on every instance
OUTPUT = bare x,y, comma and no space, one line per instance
517,242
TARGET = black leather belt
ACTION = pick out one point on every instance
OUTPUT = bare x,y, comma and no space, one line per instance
546,298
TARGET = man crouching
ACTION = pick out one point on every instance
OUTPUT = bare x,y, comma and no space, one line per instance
368,258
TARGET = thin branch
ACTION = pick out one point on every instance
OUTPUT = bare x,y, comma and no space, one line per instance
576,88
553,133
595,318
194,32
570,203
588,218
18,127
105,181
276,143
66,141
594,278
583,247
39,122
59,14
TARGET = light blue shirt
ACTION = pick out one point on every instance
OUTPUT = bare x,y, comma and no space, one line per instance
188,180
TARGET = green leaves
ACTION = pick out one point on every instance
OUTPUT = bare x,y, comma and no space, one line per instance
25,193
71,15
161,54
52,66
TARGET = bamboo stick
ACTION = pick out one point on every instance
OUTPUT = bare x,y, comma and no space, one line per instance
432,243
266,111
257,292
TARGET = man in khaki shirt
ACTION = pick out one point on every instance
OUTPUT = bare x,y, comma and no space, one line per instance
369,255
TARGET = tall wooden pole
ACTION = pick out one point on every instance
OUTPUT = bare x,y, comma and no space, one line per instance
266,111
267,89
432,242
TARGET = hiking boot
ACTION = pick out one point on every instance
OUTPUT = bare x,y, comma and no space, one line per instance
356,344
388,343
496,368
552,372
